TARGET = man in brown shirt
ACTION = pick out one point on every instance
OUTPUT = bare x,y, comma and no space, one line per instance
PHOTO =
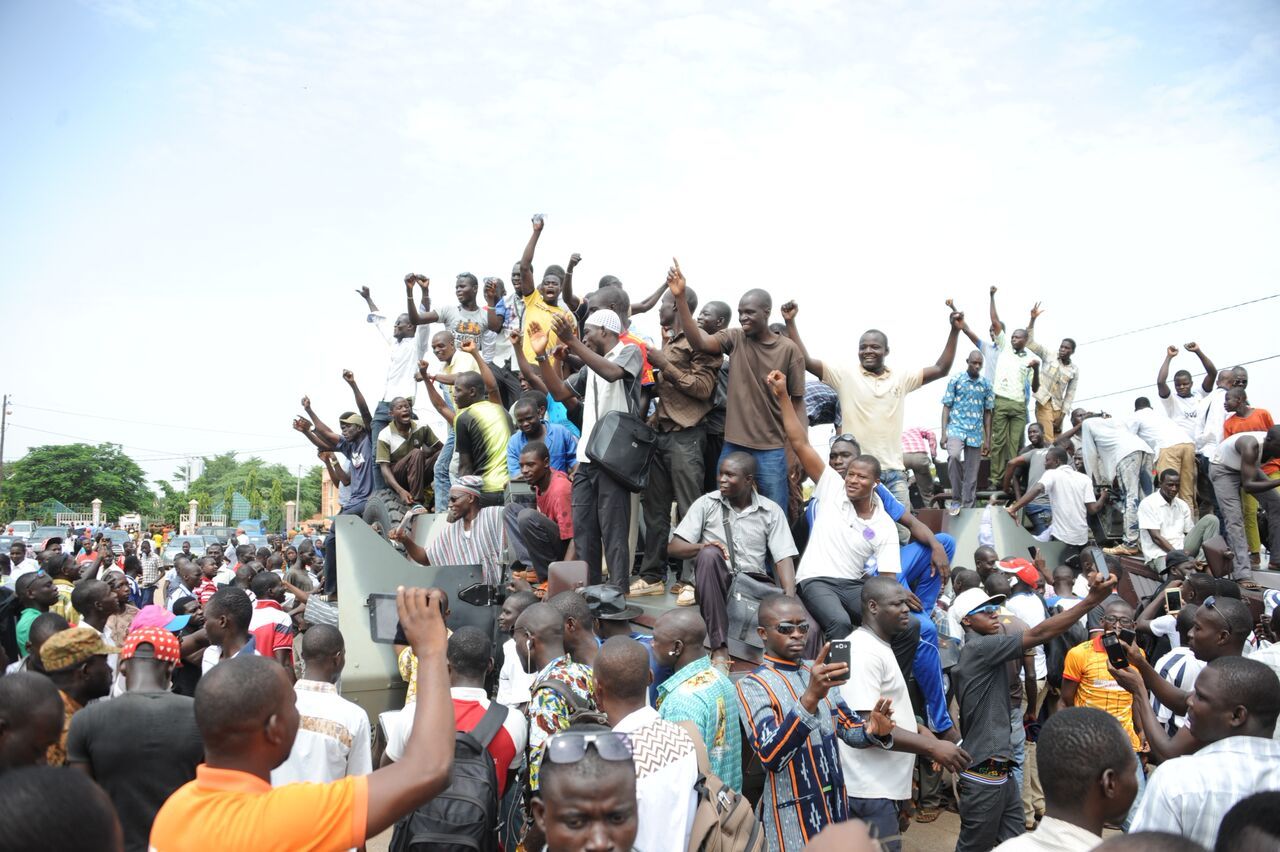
753,421
685,384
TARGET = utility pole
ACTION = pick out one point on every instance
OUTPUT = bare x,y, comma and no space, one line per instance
4,424
297,494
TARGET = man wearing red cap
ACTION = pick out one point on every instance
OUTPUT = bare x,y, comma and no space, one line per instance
162,747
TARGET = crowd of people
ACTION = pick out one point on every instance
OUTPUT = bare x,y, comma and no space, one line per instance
889,682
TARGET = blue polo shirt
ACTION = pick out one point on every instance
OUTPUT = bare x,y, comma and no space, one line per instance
561,445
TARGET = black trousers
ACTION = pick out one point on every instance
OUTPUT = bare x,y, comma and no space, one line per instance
837,607
711,461
674,476
535,538
602,524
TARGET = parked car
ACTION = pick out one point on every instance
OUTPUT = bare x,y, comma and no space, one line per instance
222,534
40,536
5,541
21,529
117,538
198,545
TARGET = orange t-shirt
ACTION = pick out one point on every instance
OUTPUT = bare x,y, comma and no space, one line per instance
235,811
1259,420
1086,664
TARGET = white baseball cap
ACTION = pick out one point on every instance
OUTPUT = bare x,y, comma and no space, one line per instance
970,599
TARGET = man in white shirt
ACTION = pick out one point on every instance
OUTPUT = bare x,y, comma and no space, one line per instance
405,347
608,381
19,562
1113,452
1170,443
1164,519
333,735
666,762
877,782
1233,710
1183,402
513,680
1090,780
1071,501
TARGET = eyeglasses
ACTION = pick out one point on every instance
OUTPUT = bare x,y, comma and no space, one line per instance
989,609
786,628
1209,601
1117,619
571,747
846,437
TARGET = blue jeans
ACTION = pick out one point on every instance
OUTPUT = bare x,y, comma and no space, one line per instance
926,666
1040,516
881,816
381,417
1137,800
771,471
441,482
1018,741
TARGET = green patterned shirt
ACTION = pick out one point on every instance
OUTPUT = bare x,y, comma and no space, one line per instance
702,694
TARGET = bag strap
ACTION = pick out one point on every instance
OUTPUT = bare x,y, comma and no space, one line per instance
490,723
559,688
704,763
728,534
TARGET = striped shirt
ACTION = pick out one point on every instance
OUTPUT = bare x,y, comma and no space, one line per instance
1181,668
271,628
804,783
483,544
1190,795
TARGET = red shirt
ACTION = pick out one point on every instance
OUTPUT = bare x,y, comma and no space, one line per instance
502,749
205,590
646,369
271,628
556,502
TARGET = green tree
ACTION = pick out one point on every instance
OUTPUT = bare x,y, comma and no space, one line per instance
275,506
78,473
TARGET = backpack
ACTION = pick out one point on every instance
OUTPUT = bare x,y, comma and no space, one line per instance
724,820
465,815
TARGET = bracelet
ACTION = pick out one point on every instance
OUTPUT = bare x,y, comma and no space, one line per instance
540,358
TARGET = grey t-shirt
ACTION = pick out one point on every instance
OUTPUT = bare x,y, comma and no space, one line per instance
140,747
1035,470
981,677
469,325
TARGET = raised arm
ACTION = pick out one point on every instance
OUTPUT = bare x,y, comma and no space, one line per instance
797,436
531,375
698,340
1055,625
594,361
647,304
948,356
995,317
368,300
1162,377
1032,344
493,288
566,288
812,365
490,383
550,373
437,401
1133,680
328,438
527,282
361,405
337,475
1155,606
1210,371
303,425
427,315
973,338
425,768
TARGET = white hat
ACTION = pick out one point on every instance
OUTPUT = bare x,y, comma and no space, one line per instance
970,599
607,320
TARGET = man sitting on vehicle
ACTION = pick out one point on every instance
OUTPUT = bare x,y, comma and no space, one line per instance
473,535
406,453
541,535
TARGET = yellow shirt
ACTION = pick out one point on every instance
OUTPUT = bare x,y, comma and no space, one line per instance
1086,664
537,310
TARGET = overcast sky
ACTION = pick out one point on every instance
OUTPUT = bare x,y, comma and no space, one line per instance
191,191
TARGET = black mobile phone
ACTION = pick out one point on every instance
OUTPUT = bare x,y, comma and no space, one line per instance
1115,651
840,652
1173,601
1127,636
1100,561
1033,552
384,619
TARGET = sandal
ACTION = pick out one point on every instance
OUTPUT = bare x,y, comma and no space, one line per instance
1249,584
927,814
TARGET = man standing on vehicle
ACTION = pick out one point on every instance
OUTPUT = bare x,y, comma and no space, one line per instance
356,444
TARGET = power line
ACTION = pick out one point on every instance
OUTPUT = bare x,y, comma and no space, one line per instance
186,427
170,455
1151,384
1176,321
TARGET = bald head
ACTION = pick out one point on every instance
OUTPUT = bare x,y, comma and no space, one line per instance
622,669
685,625
543,621
235,699
879,588
321,640
758,297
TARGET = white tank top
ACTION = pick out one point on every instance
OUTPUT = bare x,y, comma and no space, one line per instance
1227,454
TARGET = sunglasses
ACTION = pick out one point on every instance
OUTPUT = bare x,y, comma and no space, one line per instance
988,609
786,628
846,438
571,748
